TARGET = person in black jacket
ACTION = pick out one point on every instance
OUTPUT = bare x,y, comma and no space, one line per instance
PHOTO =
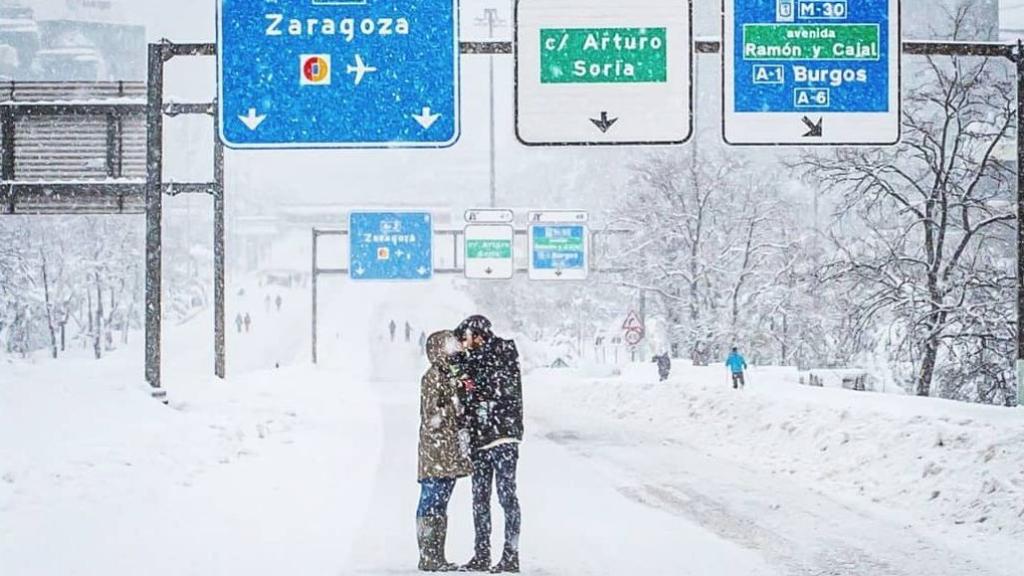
492,394
664,366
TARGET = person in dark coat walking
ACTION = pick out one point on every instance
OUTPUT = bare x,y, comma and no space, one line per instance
493,396
664,366
442,459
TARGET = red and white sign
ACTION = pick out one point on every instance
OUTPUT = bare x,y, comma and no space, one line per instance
634,337
633,323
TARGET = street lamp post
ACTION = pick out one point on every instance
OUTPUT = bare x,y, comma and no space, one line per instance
491,20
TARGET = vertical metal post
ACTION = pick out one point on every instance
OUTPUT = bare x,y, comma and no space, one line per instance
7,143
494,183
1020,221
154,214
315,275
115,145
643,320
490,18
7,158
219,335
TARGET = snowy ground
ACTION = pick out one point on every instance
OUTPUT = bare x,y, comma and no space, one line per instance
303,470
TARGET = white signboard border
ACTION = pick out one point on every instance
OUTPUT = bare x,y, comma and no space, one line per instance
788,128
470,272
653,142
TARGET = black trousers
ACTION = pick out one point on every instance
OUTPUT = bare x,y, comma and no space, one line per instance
737,380
495,466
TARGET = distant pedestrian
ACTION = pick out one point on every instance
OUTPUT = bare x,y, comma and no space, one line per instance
267,303
238,322
736,365
391,329
278,301
664,366
408,333
248,322
423,343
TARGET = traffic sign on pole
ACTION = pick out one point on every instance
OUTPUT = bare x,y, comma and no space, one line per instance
592,72
811,72
558,251
390,246
633,322
338,73
489,251
634,337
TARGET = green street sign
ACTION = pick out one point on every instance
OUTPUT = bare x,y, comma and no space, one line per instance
489,246
559,243
603,72
488,249
603,55
811,42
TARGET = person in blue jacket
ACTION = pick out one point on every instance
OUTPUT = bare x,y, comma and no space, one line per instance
737,365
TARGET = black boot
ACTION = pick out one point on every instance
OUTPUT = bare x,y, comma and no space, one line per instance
509,563
441,540
481,562
431,533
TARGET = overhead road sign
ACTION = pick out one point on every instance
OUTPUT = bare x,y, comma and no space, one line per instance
338,73
558,216
489,251
489,216
559,243
811,72
603,72
390,246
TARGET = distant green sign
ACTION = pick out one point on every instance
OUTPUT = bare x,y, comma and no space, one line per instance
488,249
603,55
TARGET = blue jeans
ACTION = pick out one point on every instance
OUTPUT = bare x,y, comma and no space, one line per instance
434,496
497,465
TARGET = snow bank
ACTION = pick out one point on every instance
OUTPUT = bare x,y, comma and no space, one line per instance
958,467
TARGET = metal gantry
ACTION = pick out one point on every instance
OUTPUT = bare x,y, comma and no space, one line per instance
156,109
458,266
118,194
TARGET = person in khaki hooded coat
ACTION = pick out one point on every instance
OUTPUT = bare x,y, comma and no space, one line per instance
442,457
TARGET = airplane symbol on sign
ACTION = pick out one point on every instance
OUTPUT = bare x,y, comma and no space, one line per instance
360,69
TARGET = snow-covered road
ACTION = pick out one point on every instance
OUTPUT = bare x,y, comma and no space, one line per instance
304,470
797,529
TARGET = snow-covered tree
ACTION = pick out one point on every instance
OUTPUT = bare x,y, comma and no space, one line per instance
714,242
924,232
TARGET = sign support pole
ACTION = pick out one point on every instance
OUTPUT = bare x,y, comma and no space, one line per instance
154,215
1019,57
313,280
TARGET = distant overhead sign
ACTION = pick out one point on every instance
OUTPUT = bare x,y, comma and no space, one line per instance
390,246
489,216
338,73
558,250
489,251
603,72
809,72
